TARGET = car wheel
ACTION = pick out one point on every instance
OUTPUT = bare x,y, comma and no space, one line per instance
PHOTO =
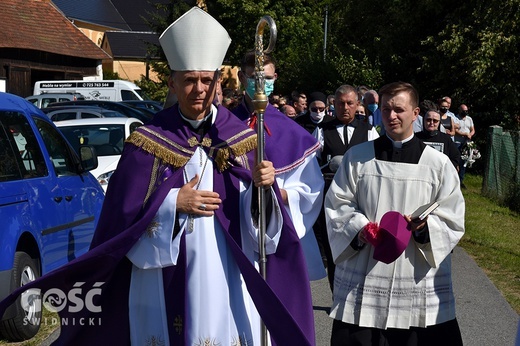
25,314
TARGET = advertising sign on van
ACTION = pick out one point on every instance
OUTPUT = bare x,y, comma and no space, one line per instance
77,85
108,90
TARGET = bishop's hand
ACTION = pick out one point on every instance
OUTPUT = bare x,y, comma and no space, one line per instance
190,200
263,174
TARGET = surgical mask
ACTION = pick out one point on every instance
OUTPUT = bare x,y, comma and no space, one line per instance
372,107
444,110
317,116
268,87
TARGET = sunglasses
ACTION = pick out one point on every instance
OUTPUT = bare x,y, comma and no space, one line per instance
435,121
317,109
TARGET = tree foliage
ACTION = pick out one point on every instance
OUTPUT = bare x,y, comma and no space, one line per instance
467,49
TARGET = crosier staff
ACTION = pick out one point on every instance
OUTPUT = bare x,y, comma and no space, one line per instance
260,103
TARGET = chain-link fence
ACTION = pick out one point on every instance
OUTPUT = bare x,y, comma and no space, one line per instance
502,177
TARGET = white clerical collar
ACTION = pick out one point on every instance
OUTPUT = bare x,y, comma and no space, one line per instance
196,123
399,144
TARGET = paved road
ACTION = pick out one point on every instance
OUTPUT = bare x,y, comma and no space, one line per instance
484,316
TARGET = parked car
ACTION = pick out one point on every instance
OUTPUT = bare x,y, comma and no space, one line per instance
127,110
80,112
49,207
43,100
106,135
154,106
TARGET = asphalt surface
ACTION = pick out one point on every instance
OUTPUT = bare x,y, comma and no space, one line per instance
485,318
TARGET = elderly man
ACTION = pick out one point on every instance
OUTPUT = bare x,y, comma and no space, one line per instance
289,111
371,102
405,298
174,257
336,137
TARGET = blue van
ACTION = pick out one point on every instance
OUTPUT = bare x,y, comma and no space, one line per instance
49,206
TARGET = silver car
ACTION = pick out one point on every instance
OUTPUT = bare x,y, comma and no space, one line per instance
80,112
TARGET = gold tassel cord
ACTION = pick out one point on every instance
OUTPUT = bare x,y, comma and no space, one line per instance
235,150
244,146
158,150
222,157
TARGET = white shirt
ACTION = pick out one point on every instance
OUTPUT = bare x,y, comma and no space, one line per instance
466,124
318,134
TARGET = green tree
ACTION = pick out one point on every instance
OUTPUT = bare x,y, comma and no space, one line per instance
480,45
466,49
299,46
299,41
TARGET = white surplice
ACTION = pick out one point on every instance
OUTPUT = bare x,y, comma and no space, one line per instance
416,289
304,186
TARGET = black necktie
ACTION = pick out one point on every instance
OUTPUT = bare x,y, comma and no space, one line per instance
345,134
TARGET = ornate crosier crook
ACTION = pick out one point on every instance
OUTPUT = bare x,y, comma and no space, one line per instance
260,103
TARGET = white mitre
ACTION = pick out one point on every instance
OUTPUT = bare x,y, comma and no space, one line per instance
195,42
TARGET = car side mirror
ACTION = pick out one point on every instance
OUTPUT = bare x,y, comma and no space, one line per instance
88,157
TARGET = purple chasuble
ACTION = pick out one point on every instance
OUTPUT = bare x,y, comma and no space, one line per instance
287,144
151,165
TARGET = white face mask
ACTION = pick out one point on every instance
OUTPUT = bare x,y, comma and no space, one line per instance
317,116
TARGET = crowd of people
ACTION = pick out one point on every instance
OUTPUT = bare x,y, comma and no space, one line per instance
177,244
317,109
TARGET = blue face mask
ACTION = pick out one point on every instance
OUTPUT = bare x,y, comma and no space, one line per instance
268,87
372,107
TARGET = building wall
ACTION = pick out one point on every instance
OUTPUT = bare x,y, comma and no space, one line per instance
22,68
130,70
94,32
94,35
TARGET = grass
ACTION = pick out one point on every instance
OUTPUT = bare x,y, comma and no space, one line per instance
491,239
48,325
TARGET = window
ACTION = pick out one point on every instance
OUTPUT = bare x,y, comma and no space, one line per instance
107,139
20,153
133,126
128,95
33,101
87,115
63,116
47,100
62,159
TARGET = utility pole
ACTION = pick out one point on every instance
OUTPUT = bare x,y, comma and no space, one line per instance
325,32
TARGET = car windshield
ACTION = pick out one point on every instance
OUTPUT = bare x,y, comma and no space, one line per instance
106,139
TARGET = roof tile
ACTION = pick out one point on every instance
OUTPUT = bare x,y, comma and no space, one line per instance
38,25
